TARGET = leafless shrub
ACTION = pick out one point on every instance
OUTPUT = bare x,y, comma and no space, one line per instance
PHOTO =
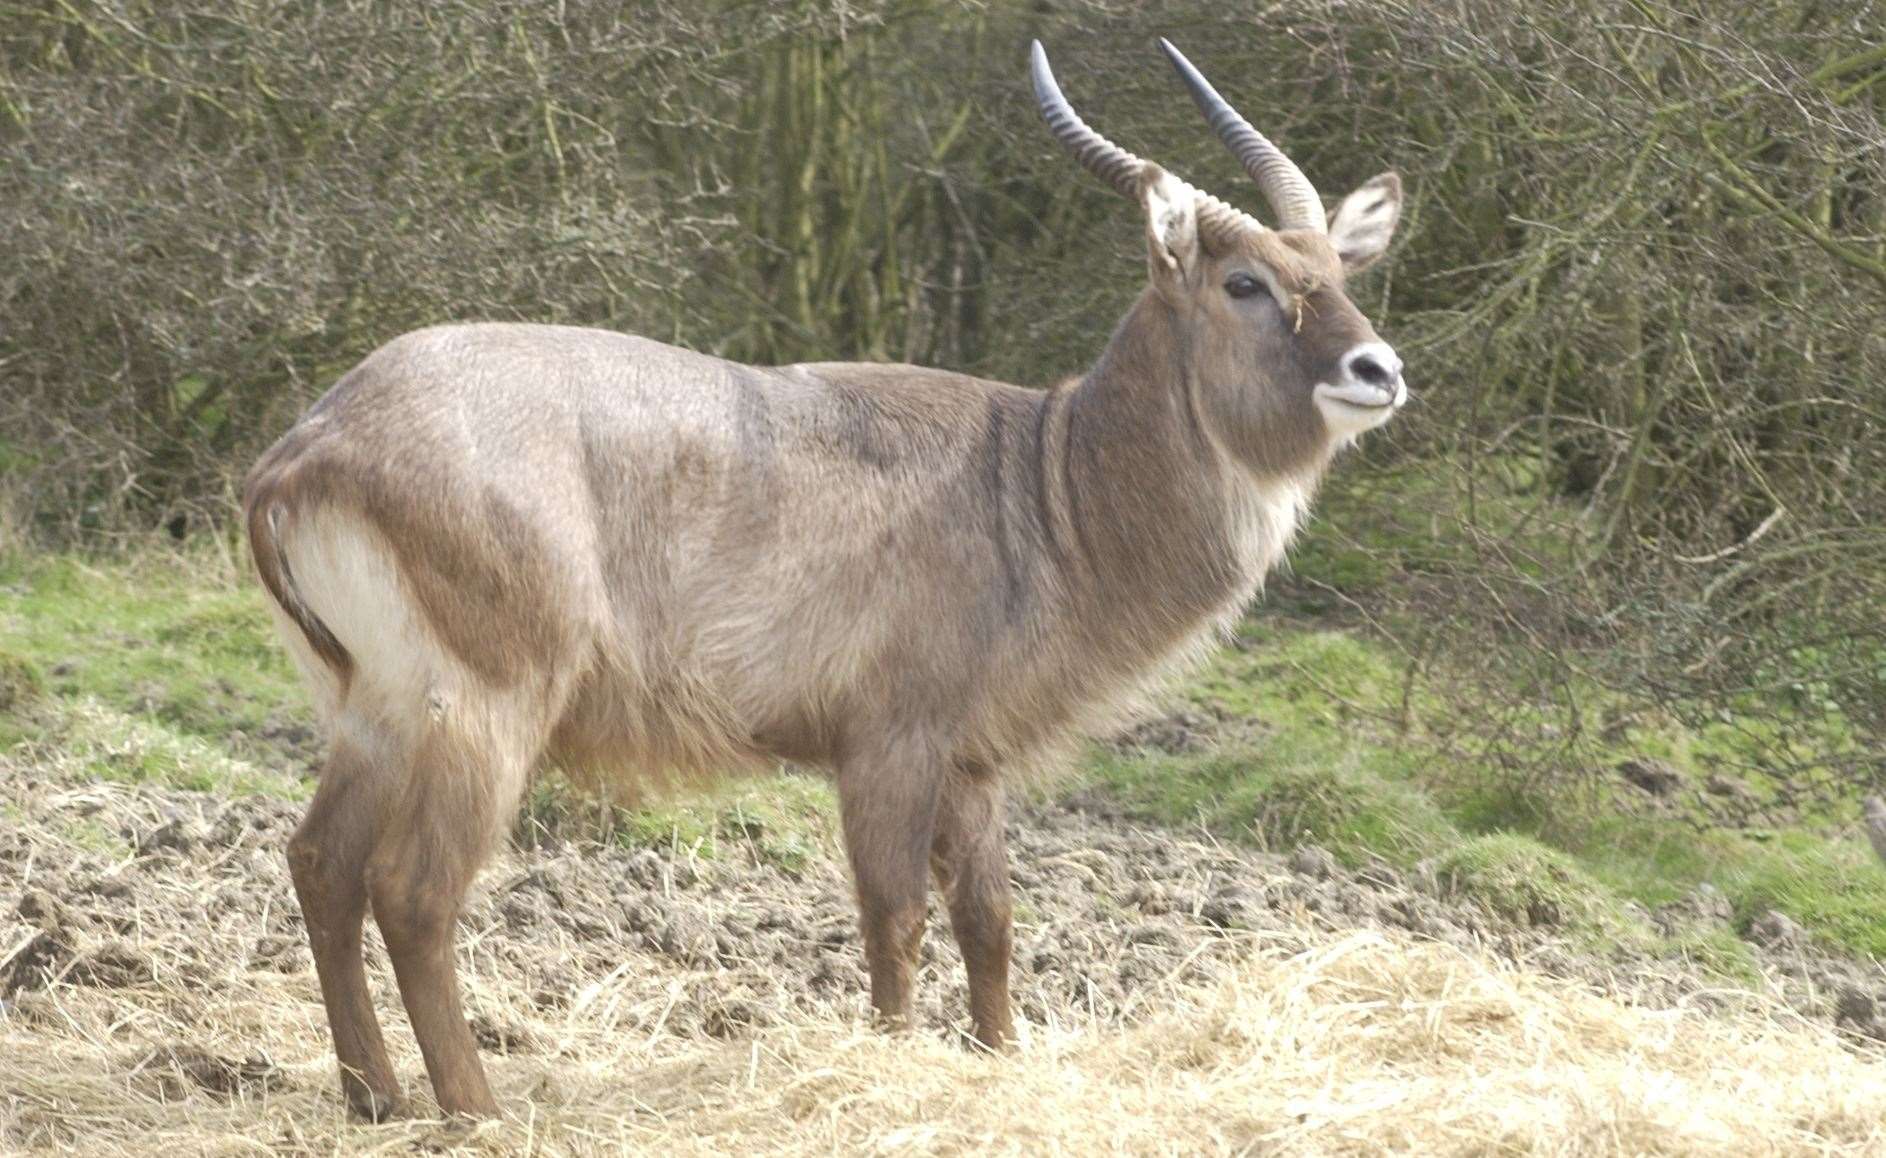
1642,288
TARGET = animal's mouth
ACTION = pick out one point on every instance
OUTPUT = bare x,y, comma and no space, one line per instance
1357,396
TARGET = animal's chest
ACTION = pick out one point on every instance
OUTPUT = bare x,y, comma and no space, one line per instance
1264,521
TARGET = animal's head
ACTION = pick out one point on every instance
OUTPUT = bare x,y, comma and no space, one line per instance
1286,366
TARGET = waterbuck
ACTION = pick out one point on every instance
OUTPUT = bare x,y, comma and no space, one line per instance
494,548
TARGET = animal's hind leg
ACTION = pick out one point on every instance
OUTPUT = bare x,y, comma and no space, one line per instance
461,794
970,859
327,858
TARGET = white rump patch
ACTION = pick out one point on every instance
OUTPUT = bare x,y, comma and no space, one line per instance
403,677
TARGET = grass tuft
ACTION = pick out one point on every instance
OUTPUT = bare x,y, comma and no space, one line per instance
1835,889
21,682
1530,884
1244,791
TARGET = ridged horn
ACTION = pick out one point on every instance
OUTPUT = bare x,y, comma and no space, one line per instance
1114,165
1097,154
1283,184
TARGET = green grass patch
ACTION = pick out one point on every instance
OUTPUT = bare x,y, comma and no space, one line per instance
1321,752
1321,694
141,669
1259,794
87,833
785,820
1719,951
1531,884
21,683
1832,886
87,739
22,687
1834,889
167,634
1323,767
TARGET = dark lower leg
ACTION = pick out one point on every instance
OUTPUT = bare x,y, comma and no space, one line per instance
893,938
888,810
971,861
327,860
420,940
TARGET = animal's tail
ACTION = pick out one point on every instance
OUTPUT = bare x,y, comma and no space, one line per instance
271,566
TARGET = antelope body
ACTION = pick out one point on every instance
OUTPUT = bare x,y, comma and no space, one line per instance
495,547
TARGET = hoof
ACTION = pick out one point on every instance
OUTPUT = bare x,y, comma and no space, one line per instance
373,1106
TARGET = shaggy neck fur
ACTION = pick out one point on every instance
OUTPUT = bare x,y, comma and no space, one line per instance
1173,532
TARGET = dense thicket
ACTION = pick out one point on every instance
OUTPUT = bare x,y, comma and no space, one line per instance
1644,264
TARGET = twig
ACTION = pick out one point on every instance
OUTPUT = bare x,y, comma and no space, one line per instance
1767,525
1745,190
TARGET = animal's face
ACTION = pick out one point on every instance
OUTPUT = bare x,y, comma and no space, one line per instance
1286,365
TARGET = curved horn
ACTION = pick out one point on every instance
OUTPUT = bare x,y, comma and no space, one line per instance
1283,184
1115,165
1097,154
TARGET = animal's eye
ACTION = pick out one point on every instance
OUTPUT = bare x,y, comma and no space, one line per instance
1243,285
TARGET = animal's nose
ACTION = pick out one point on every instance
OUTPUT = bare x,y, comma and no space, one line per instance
1374,363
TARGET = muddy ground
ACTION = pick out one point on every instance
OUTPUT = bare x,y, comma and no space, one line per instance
145,891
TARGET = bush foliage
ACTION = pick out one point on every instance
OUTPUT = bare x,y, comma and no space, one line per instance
1640,288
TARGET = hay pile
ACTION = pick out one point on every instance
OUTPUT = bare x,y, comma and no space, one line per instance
1352,1043
156,997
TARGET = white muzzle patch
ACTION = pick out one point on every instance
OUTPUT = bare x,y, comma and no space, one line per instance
1369,393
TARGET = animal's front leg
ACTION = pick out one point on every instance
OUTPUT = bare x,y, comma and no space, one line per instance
970,858
887,799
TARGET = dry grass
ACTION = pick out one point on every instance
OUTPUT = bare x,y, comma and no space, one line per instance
177,1023
1353,1043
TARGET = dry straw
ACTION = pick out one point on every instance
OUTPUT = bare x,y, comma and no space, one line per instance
1356,1043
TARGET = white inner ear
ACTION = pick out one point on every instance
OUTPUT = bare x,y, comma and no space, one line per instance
1170,210
1364,222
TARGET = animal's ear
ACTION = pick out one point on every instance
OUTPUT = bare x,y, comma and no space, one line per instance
1361,226
1171,229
